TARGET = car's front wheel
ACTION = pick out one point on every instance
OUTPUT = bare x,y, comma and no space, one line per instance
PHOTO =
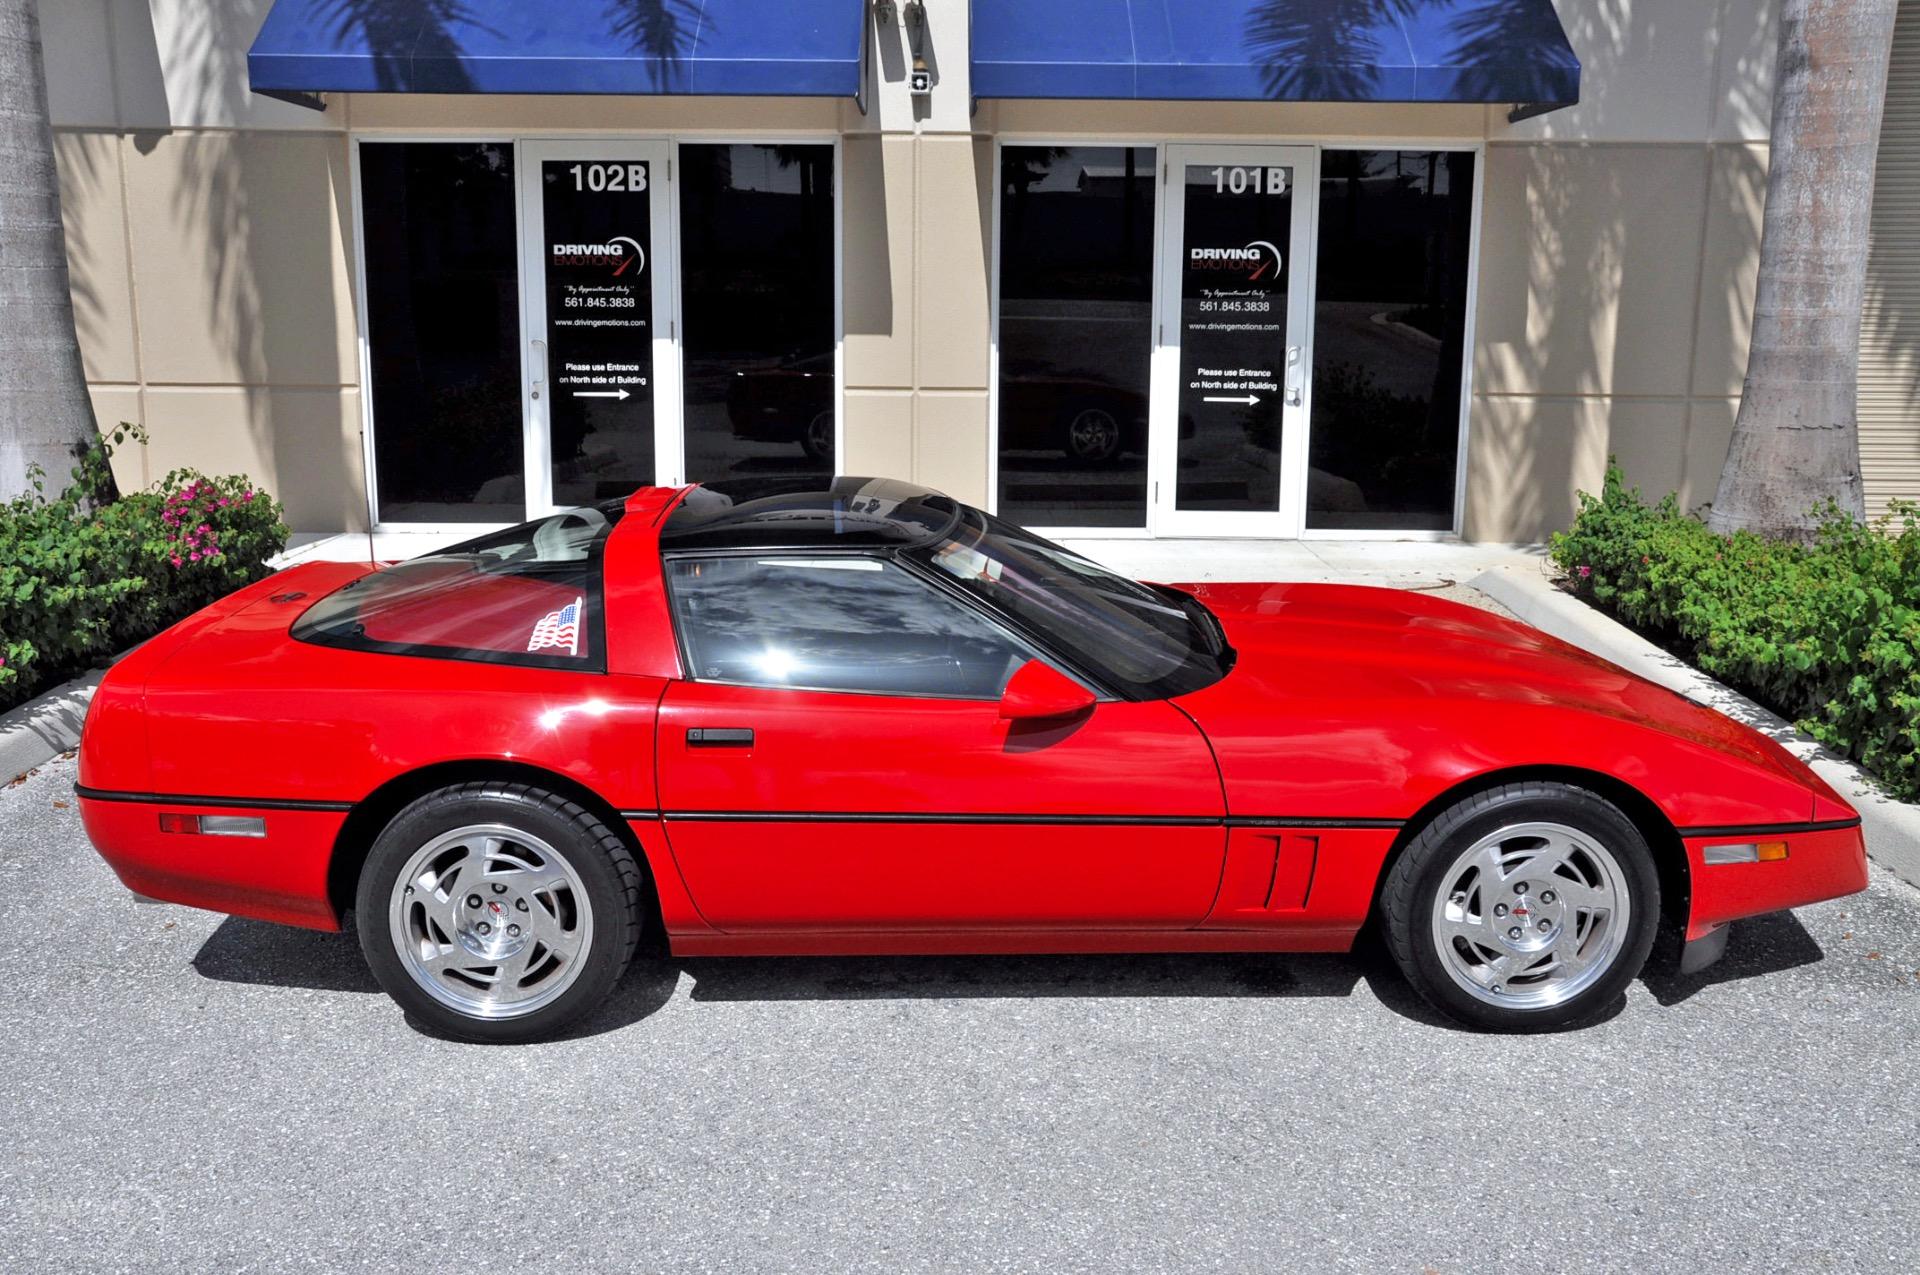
1523,908
498,912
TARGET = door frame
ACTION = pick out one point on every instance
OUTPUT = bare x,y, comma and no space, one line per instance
1161,142
517,138
535,344
1288,518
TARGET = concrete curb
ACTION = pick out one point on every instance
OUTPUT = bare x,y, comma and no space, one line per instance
1892,827
34,733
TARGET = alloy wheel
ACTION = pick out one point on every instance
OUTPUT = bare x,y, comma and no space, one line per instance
1531,915
492,921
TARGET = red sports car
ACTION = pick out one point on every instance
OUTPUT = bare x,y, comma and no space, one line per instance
857,716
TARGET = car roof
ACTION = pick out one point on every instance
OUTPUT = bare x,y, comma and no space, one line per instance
808,513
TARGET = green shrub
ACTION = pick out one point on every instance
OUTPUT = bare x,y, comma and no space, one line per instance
83,575
1826,633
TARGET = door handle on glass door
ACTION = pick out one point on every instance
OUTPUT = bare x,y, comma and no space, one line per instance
539,367
1295,390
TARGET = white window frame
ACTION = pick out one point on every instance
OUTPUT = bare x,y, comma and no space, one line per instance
514,138
1322,143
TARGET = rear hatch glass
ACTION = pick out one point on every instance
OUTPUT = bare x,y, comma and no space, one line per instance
531,594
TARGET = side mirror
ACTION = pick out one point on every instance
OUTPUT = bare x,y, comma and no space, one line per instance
1038,690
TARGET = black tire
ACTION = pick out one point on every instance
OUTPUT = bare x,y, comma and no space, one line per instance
607,875
1436,860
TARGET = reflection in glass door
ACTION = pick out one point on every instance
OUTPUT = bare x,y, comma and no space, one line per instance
602,385
1231,354
443,332
757,267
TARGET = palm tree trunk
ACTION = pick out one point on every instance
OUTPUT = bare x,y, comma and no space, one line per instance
1796,439
46,418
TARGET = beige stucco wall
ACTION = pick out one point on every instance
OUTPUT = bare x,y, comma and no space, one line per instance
211,244
207,234
1618,250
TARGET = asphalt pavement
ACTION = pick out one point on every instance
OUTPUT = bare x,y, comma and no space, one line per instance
180,1090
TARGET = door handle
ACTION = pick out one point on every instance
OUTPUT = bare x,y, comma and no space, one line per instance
719,737
539,367
1295,377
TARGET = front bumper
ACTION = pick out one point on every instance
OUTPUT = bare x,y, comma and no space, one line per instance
1823,861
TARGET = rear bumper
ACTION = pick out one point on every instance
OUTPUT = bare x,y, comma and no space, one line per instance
280,877
1824,861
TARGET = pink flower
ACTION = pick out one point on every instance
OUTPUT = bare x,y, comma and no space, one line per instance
1584,572
246,496
193,557
176,560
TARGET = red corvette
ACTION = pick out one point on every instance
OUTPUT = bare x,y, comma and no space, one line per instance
860,717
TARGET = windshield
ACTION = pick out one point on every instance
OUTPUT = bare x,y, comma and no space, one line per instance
1148,643
527,595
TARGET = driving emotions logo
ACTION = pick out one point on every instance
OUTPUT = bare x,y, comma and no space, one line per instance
1259,261
623,256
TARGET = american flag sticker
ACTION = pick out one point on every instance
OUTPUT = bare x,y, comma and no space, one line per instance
558,629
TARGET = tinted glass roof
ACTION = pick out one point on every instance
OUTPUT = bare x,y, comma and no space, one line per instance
808,513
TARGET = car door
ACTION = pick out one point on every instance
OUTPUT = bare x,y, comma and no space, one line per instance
837,762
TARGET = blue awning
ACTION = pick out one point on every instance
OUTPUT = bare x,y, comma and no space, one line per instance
1275,50
754,47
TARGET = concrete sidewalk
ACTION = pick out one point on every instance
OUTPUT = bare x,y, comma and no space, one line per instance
1402,563
1398,563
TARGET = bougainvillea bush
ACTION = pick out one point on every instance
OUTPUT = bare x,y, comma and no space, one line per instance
84,575
1826,633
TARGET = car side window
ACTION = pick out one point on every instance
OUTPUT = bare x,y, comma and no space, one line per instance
835,623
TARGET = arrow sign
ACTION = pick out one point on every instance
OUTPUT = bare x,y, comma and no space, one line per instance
1249,399
601,394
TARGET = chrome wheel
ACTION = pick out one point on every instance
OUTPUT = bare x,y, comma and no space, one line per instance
492,921
1093,434
1531,915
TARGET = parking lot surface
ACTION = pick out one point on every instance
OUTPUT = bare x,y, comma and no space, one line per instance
180,1090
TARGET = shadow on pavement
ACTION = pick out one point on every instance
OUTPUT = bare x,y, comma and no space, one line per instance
1219,975
243,951
1759,946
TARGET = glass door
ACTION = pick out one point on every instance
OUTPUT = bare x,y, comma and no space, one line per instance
1231,354
601,373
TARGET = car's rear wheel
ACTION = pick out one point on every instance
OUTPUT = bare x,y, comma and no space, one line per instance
1527,907
498,912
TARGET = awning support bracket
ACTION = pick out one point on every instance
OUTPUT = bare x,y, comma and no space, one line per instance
1527,110
312,101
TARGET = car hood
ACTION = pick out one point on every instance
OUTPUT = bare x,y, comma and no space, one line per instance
1347,699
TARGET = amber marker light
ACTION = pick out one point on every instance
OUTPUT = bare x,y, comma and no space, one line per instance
1746,852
